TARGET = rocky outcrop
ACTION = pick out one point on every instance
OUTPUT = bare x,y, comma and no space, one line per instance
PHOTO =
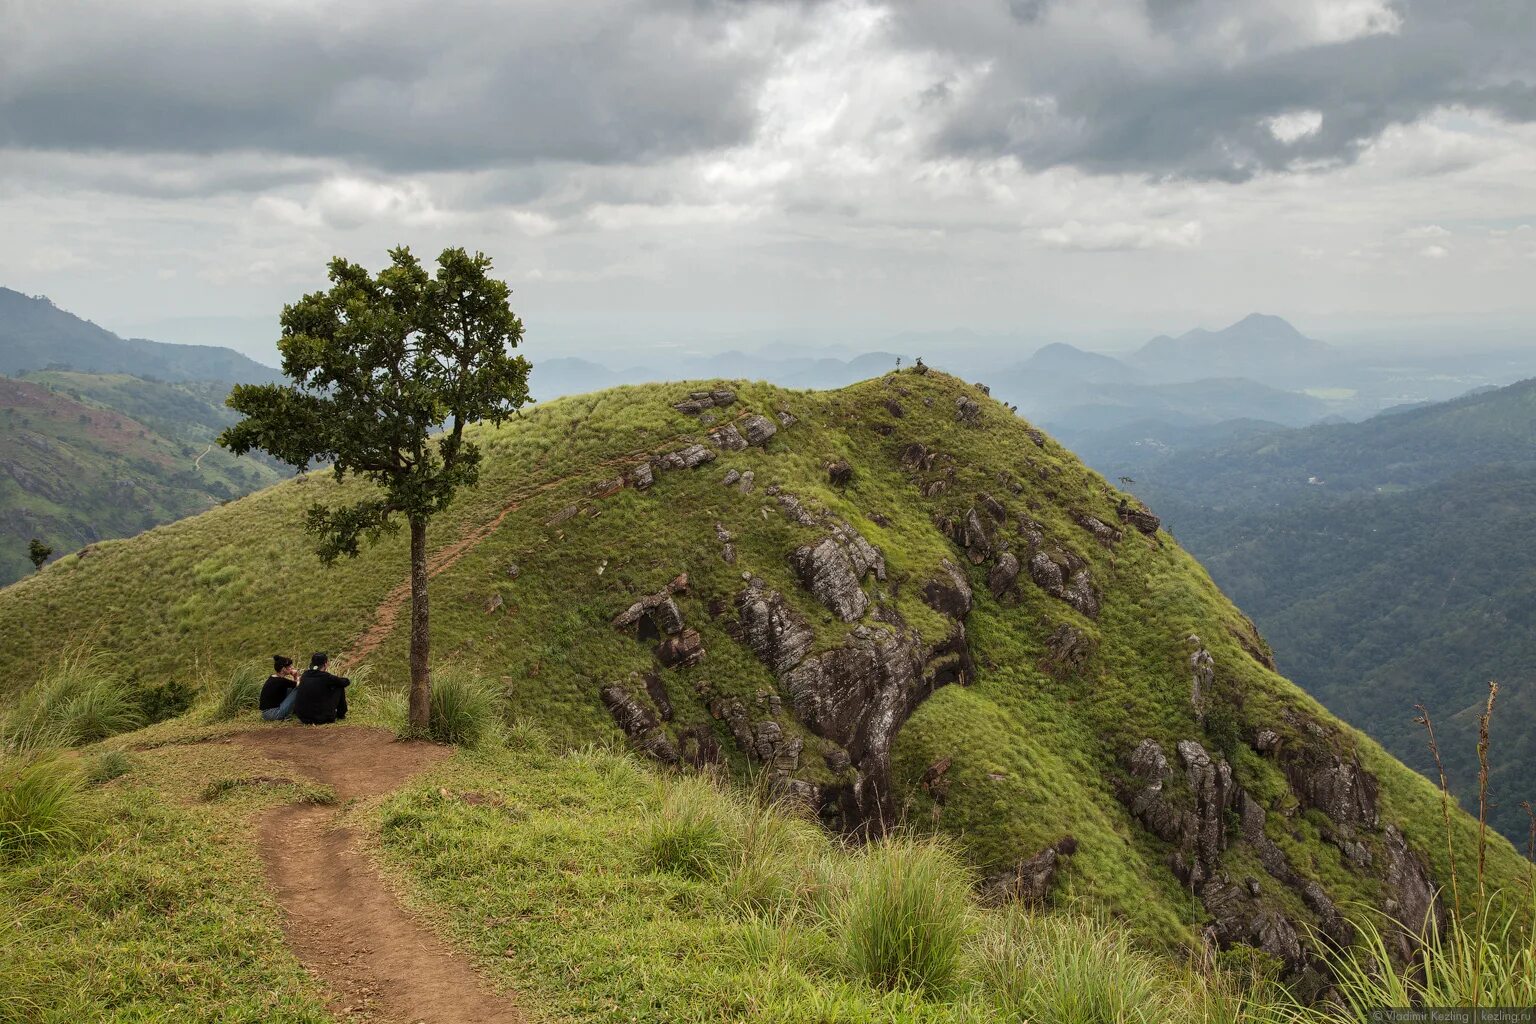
839,473
1068,651
641,477
728,438
967,411
1202,673
758,429
1138,518
691,457
772,629
824,570
698,401
1065,577
655,615
1410,895
1101,531
639,720
1325,779
950,592
1004,574
1029,881
682,650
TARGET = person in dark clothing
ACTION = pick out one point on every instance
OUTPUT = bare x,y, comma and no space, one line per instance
321,697
280,689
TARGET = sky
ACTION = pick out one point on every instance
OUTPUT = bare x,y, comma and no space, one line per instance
650,173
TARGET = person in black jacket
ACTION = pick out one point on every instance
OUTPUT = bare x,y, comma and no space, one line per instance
280,689
322,697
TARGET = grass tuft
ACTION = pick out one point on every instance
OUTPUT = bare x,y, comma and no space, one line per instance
240,692
905,914
692,834
464,710
39,805
73,702
109,765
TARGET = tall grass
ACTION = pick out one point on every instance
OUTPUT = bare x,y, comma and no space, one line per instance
239,693
692,834
74,701
904,917
39,804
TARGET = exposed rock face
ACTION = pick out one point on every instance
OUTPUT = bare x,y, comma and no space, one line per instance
1029,881
1323,779
638,721
967,411
1211,783
728,438
655,614
894,408
682,650
795,509
1410,894
950,592
1101,531
827,572
1249,639
772,629
1066,578
1138,518
1202,672
641,477
746,483
1004,574
786,418
691,457
970,534
916,458
758,429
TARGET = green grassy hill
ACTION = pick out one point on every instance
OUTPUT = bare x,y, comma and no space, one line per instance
957,626
1390,564
85,457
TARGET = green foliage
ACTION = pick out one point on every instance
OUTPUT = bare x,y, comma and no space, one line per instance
74,701
39,804
904,916
38,552
376,364
240,692
692,835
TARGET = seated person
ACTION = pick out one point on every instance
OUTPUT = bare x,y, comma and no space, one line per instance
320,697
280,689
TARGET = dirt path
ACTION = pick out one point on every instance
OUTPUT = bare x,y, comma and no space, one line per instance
340,918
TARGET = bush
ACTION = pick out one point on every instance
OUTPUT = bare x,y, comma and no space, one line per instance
240,693
904,916
464,709
73,702
39,805
693,834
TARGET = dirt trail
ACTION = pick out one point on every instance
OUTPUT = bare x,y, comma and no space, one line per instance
378,962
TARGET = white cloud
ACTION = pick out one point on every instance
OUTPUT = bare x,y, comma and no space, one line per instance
1434,252
1121,235
1296,125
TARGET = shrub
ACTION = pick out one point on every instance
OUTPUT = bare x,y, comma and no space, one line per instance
904,916
240,693
73,702
111,764
693,833
464,708
39,805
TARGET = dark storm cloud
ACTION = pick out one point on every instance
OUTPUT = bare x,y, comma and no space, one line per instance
1187,88
384,85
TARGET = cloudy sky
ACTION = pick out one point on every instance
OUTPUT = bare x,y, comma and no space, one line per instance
652,170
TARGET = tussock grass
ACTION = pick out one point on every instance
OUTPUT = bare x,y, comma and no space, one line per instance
692,833
464,710
239,693
904,916
108,765
74,701
40,804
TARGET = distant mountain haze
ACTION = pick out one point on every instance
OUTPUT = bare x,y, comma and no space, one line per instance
37,335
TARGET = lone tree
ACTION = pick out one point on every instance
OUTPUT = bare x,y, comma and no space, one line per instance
376,365
39,553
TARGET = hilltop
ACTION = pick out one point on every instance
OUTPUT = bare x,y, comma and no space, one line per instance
896,602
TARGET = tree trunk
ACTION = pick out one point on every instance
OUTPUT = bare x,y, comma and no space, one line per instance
421,681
